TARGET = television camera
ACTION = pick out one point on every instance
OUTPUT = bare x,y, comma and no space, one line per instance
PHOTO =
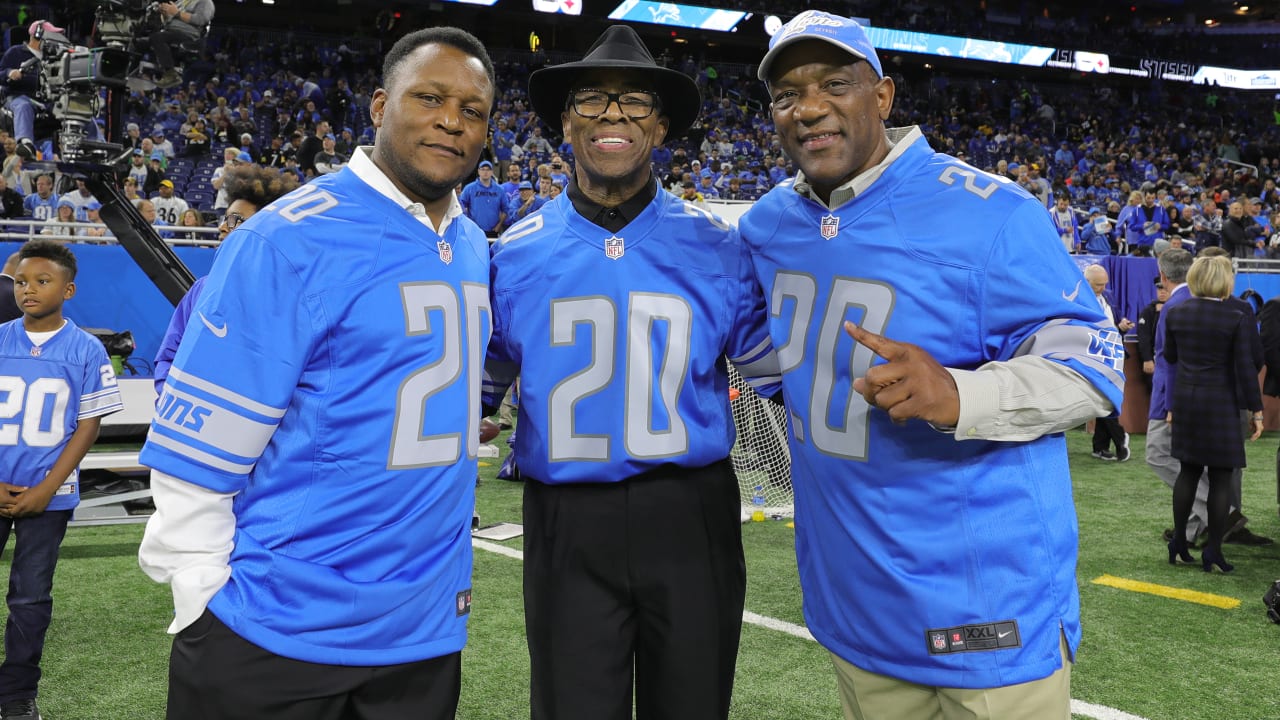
75,82
73,79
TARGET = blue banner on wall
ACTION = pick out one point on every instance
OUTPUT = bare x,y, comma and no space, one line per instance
112,292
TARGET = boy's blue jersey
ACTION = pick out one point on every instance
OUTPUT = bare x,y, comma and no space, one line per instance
330,375
44,394
620,339
907,539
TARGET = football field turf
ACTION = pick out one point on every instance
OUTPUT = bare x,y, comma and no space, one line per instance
1160,642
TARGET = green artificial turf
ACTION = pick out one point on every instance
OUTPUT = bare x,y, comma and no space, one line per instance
1149,656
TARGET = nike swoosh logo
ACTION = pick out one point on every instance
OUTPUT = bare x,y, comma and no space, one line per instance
217,331
1004,634
1074,293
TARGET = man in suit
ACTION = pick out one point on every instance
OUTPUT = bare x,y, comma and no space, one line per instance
1146,331
1174,264
9,309
1107,430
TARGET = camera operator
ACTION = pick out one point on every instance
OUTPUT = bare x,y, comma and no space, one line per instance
20,72
182,21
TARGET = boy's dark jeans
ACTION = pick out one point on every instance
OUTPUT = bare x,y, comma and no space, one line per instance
35,555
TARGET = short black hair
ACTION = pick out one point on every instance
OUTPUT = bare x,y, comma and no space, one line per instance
451,36
50,250
258,186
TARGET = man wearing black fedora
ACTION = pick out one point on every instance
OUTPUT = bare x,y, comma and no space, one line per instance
618,304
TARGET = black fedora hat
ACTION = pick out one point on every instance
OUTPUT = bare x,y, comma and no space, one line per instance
618,48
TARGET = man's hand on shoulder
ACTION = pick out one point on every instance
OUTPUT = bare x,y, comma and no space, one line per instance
912,384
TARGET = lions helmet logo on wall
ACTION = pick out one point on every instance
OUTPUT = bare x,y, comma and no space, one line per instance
614,247
830,226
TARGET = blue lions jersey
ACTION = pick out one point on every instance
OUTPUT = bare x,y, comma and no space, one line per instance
330,375
620,339
44,394
484,204
928,559
41,208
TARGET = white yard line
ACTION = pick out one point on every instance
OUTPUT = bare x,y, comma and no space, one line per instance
1078,707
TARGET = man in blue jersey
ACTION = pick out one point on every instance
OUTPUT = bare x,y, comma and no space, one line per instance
618,304
314,447
484,201
935,531
43,203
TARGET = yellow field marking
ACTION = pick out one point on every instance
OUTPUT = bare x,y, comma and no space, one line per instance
1201,598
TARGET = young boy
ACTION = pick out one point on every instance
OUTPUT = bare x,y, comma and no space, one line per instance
56,383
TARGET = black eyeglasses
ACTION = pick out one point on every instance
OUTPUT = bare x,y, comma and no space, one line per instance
635,104
233,220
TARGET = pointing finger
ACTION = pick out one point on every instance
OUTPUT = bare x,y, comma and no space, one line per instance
879,344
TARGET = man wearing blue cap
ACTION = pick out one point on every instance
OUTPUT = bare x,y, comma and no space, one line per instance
930,365
1095,234
329,160
484,201
92,214
618,304
525,203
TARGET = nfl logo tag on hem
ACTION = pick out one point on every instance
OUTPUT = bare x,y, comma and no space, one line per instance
830,226
446,252
614,247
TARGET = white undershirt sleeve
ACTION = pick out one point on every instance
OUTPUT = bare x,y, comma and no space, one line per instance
188,544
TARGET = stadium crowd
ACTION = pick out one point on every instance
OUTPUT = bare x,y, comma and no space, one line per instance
1118,168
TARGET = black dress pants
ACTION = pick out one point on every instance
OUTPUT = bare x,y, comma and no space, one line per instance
214,674
639,582
1107,432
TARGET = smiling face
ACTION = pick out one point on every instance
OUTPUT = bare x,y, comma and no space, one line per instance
829,109
432,121
613,151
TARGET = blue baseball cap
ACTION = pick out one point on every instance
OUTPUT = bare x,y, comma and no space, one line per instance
244,157
486,163
524,185
93,205
842,32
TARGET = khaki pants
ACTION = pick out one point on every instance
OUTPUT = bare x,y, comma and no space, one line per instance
868,696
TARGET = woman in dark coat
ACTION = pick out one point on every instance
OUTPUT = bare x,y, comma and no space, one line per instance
1215,379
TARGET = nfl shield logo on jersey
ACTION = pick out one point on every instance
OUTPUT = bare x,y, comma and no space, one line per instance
830,226
614,247
446,252
938,640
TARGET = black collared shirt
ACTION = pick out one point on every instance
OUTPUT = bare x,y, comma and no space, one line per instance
612,219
